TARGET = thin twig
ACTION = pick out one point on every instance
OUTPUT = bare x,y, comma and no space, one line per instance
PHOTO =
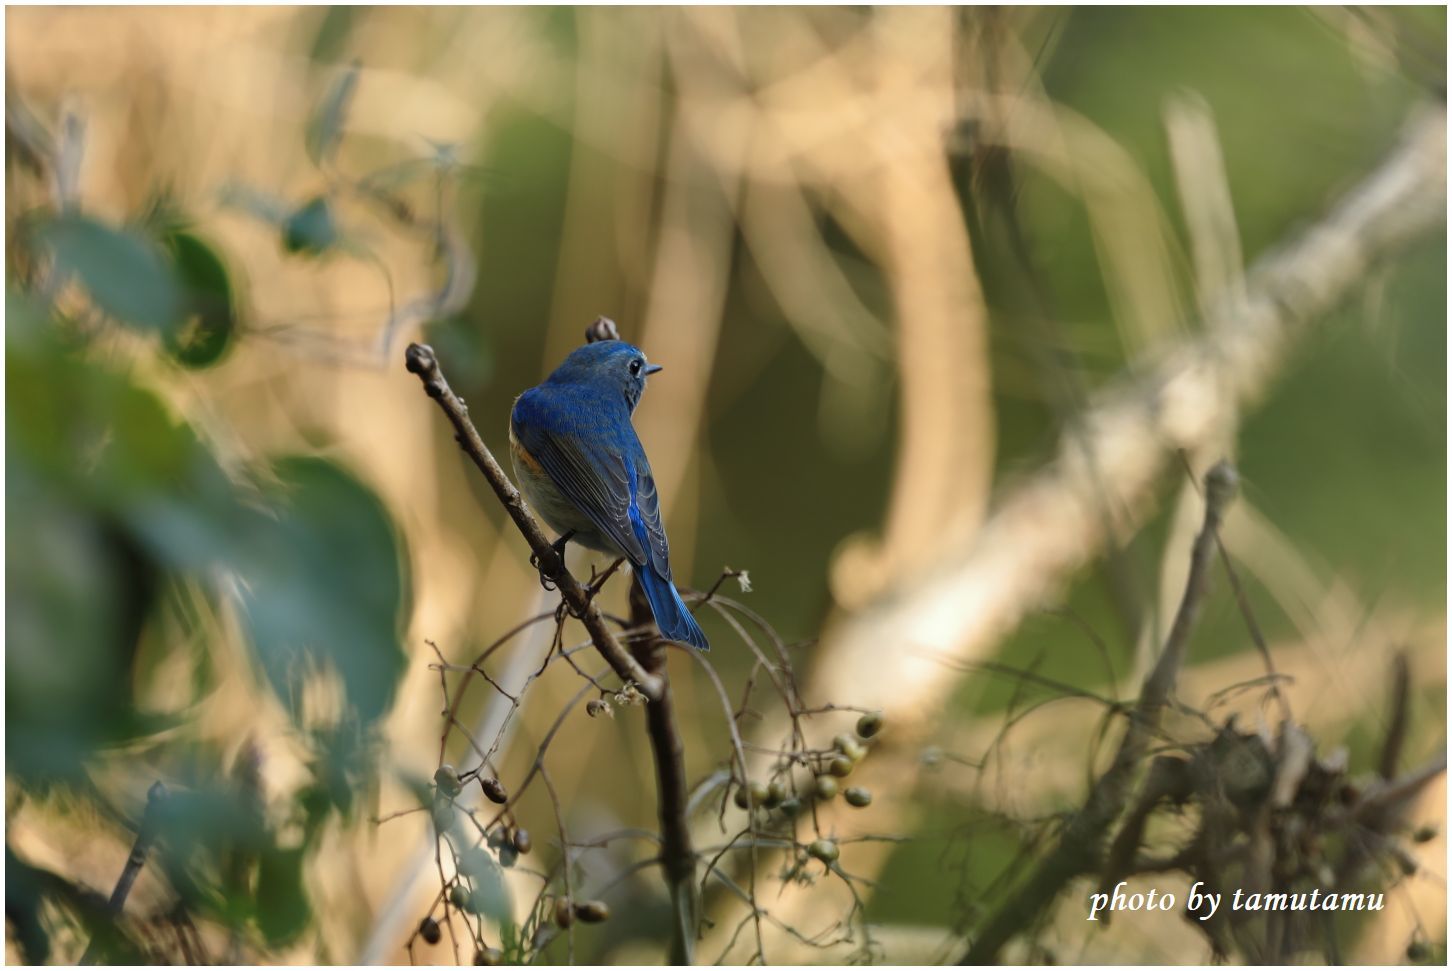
1396,793
145,836
1396,731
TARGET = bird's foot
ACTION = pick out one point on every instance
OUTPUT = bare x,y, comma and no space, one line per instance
559,547
544,581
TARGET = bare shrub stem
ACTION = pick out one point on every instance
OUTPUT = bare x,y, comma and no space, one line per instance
1079,848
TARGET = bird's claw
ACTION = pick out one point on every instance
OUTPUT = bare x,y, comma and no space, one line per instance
559,547
544,581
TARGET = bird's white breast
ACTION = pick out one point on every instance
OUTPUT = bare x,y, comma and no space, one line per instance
552,505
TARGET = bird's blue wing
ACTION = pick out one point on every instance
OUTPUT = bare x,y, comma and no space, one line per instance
647,505
583,465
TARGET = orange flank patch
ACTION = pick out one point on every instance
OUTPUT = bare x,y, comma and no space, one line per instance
522,454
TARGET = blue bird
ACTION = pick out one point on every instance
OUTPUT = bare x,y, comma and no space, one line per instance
581,466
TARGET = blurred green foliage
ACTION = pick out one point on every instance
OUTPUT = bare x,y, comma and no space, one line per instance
210,324
123,520
311,228
124,274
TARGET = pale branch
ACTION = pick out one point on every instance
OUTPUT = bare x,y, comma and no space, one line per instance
1045,529
421,361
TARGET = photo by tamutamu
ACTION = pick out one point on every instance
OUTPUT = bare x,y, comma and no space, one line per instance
825,485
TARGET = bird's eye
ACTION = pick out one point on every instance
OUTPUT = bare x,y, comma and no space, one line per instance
635,366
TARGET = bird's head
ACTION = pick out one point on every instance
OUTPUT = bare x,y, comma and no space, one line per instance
609,366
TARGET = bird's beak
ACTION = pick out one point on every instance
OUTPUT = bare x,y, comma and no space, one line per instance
652,368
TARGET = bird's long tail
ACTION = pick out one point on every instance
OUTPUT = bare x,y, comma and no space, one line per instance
671,616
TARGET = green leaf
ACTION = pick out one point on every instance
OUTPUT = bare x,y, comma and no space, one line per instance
27,323
90,544
489,895
315,802
310,229
78,591
126,276
211,832
211,322
283,911
342,765
325,127
335,30
24,887
324,586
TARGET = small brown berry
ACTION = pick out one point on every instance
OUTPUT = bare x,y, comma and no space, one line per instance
742,797
1424,834
869,725
775,793
824,850
593,911
564,912
428,929
840,766
857,796
494,789
602,329
488,957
